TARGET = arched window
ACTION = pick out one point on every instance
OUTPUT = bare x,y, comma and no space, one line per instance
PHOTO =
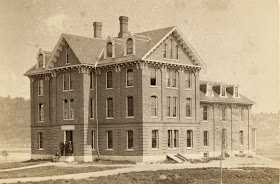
130,109
171,49
109,140
129,46
129,77
154,106
129,139
109,50
188,108
41,61
205,138
189,138
40,140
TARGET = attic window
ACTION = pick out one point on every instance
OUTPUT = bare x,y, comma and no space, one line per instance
41,61
129,46
223,90
236,92
109,49
171,49
177,52
67,54
165,51
209,89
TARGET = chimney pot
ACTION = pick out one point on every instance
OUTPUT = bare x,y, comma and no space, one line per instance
123,26
97,30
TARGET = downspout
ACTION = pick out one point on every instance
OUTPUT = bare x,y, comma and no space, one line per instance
96,114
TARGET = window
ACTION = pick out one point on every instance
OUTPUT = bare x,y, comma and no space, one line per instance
224,138
223,90
205,138
109,80
236,93
155,139
153,76
130,110
154,106
171,49
40,140
169,141
241,138
129,46
189,138
188,80
224,115
188,108
209,89
91,80
41,112
129,139
40,61
176,138
242,114
68,109
110,108
206,154
174,106
40,87
67,82
92,140
205,113
168,77
67,54
165,51
129,77
109,140
109,49
177,52
91,108
175,76
168,106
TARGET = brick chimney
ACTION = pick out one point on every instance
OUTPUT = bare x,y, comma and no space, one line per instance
97,30
123,26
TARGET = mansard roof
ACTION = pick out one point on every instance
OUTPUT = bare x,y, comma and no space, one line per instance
216,98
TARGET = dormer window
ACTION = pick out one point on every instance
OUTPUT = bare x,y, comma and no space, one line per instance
236,92
209,89
67,54
223,90
41,61
129,46
109,49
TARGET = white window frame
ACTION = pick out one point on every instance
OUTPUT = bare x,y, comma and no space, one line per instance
156,138
156,106
221,90
107,132
70,103
40,138
190,102
107,80
188,75
126,83
41,111
191,139
209,88
127,140
207,138
127,109
91,108
40,81
107,117
93,140
236,90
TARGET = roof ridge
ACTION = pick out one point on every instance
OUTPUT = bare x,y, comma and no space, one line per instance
170,27
67,34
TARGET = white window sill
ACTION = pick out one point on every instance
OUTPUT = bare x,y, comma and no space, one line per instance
40,95
109,118
205,146
93,149
40,149
189,118
188,89
129,86
91,118
108,88
129,149
171,117
68,119
172,87
130,117
153,86
108,149
70,90
67,63
155,149
189,148
41,121
205,121
154,117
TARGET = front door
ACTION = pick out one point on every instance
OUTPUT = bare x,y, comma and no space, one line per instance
68,139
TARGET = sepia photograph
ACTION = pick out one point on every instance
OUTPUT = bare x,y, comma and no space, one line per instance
130,91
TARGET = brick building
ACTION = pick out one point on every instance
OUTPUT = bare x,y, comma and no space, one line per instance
134,97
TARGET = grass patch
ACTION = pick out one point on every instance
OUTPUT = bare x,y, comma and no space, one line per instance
190,176
21,164
51,171
113,162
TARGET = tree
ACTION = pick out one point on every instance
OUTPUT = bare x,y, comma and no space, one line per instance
5,154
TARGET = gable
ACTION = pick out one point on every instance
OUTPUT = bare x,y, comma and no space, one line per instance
61,59
159,52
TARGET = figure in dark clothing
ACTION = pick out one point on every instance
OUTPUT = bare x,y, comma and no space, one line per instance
61,147
66,149
70,148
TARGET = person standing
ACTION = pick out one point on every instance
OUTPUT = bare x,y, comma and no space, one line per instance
61,147
70,148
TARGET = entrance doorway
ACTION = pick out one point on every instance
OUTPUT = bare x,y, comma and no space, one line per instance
68,142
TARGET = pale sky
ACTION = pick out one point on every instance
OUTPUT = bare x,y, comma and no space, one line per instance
237,39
